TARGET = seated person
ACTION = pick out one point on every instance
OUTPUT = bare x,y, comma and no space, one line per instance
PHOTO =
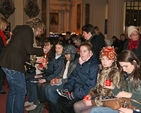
55,66
50,90
130,68
49,46
80,81
107,70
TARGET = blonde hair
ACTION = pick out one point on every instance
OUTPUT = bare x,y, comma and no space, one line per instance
3,24
36,23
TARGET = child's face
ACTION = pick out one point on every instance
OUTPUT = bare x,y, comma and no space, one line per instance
47,46
106,62
67,56
59,49
85,53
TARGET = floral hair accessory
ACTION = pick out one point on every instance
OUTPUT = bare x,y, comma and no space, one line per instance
109,52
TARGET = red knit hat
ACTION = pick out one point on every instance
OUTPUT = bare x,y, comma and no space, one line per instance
109,52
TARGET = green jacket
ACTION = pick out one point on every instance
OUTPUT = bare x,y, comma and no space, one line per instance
136,94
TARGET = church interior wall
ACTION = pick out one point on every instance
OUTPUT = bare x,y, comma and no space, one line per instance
67,14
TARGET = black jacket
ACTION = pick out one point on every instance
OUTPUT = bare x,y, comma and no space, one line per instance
98,43
18,50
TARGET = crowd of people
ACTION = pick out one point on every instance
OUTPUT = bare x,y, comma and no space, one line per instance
71,73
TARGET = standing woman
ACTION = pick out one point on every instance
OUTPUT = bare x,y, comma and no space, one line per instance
130,68
134,42
12,61
3,26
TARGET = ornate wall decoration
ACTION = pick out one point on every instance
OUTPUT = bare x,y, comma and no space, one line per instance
6,8
32,8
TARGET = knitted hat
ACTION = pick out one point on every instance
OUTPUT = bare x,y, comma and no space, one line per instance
131,29
70,49
109,52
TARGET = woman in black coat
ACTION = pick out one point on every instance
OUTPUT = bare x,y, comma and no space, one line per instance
12,61
3,25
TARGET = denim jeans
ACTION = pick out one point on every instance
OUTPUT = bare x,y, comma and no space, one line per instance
33,96
17,91
51,93
103,110
1,79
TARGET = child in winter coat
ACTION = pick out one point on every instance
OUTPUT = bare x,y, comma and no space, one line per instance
108,70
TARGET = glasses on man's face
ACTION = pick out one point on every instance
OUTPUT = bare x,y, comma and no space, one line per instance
134,35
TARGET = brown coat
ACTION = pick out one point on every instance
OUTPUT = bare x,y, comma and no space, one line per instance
18,50
113,74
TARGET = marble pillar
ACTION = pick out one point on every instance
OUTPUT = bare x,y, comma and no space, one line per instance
115,18
47,17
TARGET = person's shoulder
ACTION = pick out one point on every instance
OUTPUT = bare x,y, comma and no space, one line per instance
26,27
22,28
93,60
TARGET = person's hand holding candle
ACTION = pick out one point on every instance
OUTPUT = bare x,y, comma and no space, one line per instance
87,100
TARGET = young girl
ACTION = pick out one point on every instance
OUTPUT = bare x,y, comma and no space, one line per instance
55,66
80,81
69,65
107,71
130,68
43,60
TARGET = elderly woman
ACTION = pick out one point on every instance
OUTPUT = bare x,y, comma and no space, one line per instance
134,42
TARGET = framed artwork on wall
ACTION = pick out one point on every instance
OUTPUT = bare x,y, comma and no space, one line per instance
54,18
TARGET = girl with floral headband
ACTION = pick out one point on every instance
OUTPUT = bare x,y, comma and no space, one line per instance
108,70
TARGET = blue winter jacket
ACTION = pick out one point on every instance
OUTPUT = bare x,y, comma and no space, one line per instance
54,68
83,78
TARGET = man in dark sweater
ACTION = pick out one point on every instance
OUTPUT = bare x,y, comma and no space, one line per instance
95,37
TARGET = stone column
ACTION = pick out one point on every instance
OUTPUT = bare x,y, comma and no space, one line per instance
61,22
68,20
115,18
47,16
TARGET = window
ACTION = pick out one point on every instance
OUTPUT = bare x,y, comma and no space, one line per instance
133,13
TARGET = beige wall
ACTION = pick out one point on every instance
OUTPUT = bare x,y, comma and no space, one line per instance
67,14
97,12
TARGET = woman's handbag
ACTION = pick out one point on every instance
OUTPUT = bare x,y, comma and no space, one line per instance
117,103
29,68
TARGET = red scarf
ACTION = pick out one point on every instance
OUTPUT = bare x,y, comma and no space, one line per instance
3,37
133,44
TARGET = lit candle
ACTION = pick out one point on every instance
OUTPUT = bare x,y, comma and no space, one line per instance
45,56
108,82
40,65
86,98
